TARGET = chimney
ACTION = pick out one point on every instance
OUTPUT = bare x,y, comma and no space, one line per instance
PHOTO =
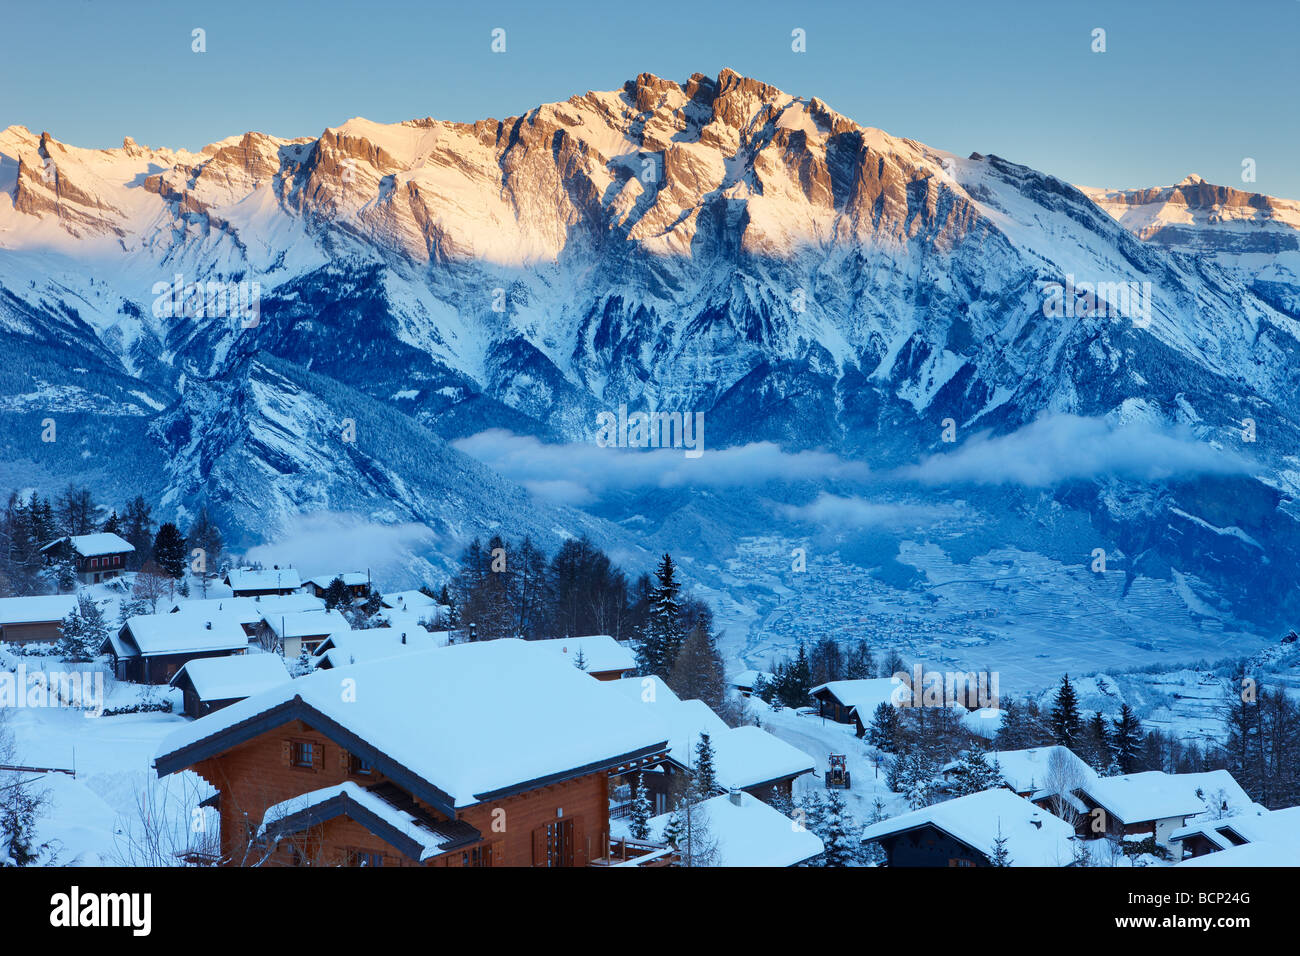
209,625
403,637
473,632
737,796
1037,821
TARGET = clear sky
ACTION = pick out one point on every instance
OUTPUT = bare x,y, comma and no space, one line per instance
1182,87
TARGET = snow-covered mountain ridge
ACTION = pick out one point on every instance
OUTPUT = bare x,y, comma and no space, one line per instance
715,246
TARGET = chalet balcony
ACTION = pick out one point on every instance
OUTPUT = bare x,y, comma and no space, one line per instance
625,852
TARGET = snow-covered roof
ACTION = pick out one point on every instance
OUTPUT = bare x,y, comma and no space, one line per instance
1026,771
411,833
376,643
305,623
742,756
749,832
470,720
37,609
352,579
747,678
262,579
1251,854
600,652
1156,795
1033,837
93,545
242,609
286,603
1254,825
153,634
226,678
866,695
408,601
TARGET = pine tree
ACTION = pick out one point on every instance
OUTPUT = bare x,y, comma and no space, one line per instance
706,780
836,833
883,731
975,773
138,526
337,594
1126,740
639,825
698,672
861,665
1097,749
580,662
663,631
84,631
1065,719
112,524
169,550
780,801
1000,855
873,854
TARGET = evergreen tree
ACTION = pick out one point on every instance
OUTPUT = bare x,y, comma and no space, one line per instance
1000,855
205,537
861,665
138,527
975,773
1065,720
580,662
639,825
706,780
1097,746
112,524
84,631
698,673
169,550
873,854
337,595
883,731
836,834
1126,740
663,633
780,801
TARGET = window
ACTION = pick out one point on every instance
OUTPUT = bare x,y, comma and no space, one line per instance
477,856
304,754
117,559
365,858
359,767
553,844
958,861
94,562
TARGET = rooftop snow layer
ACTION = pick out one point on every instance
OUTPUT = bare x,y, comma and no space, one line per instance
225,678
750,834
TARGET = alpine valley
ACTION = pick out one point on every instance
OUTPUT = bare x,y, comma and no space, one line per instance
859,318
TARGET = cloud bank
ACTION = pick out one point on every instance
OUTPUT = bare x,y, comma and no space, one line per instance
1060,448
327,542
836,511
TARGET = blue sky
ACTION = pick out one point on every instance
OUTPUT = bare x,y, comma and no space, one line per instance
1182,87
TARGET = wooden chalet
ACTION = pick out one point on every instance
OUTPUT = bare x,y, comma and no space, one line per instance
599,655
261,582
357,584
295,630
97,557
25,620
151,648
964,833
420,767
1155,804
211,683
746,759
855,701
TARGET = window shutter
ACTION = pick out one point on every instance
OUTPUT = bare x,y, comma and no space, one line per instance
318,757
286,752
343,760
539,846
498,854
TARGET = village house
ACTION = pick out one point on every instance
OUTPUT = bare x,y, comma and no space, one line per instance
745,831
1155,804
743,683
260,582
484,754
26,620
211,683
1035,773
1217,833
345,648
249,610
412,601
965,832
855,701
357,584
598,654
151,648
744,758
96,557
293,631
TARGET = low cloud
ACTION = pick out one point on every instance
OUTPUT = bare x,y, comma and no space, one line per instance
326,542
1060,448
577,474
835,511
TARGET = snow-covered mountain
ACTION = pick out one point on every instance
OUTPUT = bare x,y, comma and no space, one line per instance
713,246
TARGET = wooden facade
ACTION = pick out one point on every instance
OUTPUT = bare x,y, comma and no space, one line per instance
565,823
929,846
157,668
31,631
